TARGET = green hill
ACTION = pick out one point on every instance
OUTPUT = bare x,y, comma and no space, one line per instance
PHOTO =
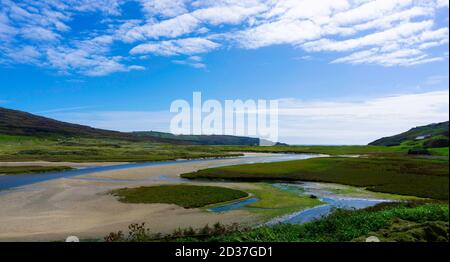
14,122
429,136
18,123
203,139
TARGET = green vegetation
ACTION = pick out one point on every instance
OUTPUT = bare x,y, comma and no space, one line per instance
348,225
398,175
441,151
408,231
331,150
436,142
187,196
202,139
411,222
433,135
15,170
14,122
426,137
73,149
275,202
139,233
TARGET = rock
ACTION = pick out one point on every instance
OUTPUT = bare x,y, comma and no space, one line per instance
72,239
372,239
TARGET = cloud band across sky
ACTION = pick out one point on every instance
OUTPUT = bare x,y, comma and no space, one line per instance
306,122
381,32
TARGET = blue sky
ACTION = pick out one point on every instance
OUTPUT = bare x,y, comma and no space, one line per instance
118,64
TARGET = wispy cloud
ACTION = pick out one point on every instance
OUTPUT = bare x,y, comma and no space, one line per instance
192,61
185,46
359,121
305,121
379,32
64,109
125,121
437,80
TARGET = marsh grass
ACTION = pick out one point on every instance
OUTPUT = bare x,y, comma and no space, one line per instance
18,170
187,196
342,225
274,202
421,221
140,233
419,177
73,149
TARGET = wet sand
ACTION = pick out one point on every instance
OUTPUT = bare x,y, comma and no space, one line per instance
81,205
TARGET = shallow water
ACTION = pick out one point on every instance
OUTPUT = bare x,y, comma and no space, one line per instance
318,212
13,181
331,200
233,206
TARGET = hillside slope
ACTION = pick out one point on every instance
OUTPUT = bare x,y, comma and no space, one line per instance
203,139
14,122
429,136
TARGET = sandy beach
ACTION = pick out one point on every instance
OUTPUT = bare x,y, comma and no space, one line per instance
81,205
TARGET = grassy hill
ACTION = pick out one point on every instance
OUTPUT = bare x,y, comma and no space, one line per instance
202,139
429,136
14,122
28,137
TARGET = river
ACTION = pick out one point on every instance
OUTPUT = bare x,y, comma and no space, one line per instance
13,181
331,200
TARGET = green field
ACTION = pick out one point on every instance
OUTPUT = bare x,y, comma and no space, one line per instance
397,175
17,170
399,222
76,149
275,202
187,196
440,151
331,150
27,148
396,222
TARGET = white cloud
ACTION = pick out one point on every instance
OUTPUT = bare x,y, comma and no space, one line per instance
228,14
125,121
174,27
6,31
375,39
306,122
370,10
185,46
380,32
136,67
404,57
192,61
442,3
110,7
39,33
278,32
359,122
25,54
166,8
90,64
436,80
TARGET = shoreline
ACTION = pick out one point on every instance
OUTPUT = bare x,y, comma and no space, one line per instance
68,164
55,209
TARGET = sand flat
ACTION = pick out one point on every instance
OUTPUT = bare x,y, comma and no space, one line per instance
80,206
